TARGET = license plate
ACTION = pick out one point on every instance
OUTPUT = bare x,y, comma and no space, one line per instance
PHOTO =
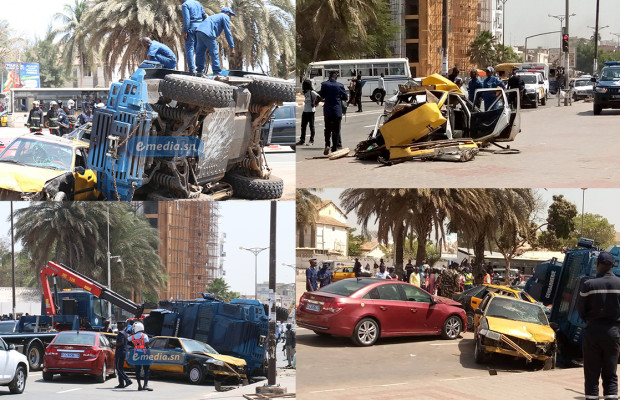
70,355
313,307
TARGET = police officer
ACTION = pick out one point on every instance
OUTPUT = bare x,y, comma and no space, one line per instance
332,92
193,14
206,39
52,118
159,52
63,121
119,356
87,116
311,276
598,305
35,118
141,352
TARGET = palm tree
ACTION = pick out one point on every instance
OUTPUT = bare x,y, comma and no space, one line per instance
73,36
219,288
306,205
482,49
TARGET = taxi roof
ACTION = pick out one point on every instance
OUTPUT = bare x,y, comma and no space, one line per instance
53,139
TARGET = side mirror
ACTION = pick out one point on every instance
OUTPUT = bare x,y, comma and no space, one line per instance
478,311
433,301
11,346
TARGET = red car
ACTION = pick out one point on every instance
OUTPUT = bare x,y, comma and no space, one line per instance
366,309
79,352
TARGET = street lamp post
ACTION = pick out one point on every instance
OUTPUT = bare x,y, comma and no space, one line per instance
109,258
583,202
256,251
503,21
596,31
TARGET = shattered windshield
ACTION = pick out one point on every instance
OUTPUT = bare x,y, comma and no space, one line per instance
517,311
40,154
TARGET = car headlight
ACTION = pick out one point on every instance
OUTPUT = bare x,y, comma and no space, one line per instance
600,89
215,362
490,334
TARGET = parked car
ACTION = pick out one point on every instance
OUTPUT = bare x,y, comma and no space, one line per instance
13,368
79,352
367,309
43,167
281,127
343,272
513,327
582,87
534,88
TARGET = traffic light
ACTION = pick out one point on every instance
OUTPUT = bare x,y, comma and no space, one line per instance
564,40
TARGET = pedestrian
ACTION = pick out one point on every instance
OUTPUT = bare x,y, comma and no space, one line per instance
51,118
358,92
351,88
289,344
423,275
35,118
414,278
87,116
206,39
367,273
141,355
324,275
87,102
515,82
332,93
408,270
119,357
468,279
474,83
432,281
381,263
106,327
159,52
311,276
454,74
63,121
392,273
307,116
193,14
598,305
487,278
382,273
357,268
381,87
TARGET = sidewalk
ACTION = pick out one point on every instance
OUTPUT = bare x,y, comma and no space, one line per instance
285,378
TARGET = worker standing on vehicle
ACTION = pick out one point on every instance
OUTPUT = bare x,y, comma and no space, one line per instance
159,52
119,356
141,355
598,305
311,276
35,118
332,92
206,37
193,14
63,121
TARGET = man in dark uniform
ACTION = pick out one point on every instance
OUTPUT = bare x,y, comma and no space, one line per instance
86,116
332,92
193,14
119,357
598,305
311,276
63,121
35,118
52,118
324,275
515,82
357,268
358,92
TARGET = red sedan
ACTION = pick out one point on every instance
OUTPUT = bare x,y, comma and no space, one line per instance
366,309
79,352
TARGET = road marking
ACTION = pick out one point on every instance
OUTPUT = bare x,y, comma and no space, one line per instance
360,387
444,344
458,379
369,126
70,390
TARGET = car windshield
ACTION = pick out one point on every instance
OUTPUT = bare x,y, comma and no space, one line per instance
34,153
583,83
517,311
346,287
7,326
610,74
87,339
195,346
528,79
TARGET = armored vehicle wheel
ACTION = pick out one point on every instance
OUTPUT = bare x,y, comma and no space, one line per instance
249,187
266,90
197,91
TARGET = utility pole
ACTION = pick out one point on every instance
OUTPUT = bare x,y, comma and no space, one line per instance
503,21
109,269
272,296
567,55
595,62
13,261
444,39
583,202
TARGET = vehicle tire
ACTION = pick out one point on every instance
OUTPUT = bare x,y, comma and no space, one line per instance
266,90
452,327
366,332
536,102
18,384
60,196
249,187
197,91
35,356
543,101
376,95
470,321
480,355
104,371
597,109
196,374
48,376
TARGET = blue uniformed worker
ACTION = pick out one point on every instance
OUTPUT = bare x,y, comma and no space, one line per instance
63,121
159,52
332,92
206,36
193,14
490,97
52,118
119,356
141,351
599,306
311,276
86,116
35,118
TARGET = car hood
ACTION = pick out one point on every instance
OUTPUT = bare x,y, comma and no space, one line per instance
20,178
227,359
447,301
441,83
523,330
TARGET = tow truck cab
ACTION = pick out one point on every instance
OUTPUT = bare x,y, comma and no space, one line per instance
91,310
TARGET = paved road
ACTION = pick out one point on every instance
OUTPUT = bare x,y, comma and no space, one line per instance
560,147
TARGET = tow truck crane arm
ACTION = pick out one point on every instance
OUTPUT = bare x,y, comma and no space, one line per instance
54,269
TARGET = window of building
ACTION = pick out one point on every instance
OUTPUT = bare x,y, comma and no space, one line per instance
412,7
412,29
413,71
413,52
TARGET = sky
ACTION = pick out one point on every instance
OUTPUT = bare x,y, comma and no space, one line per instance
245,224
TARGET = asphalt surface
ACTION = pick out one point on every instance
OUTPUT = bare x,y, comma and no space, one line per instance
559,147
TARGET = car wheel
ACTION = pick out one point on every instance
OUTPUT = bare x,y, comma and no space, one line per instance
480,355
48,376
196,374
470,321
597,109
18,384
376,95
104,371
266,90
536,102
543,101
366,332
34,354
197,91
451,327
249,187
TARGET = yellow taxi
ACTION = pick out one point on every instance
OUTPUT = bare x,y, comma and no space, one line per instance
343,272
44,167
513,327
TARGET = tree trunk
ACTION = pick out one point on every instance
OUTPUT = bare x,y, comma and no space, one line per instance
507,280
319,43
81,83
399,248
479,256
236,62
421,252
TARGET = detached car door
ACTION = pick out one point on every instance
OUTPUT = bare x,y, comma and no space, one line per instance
492,115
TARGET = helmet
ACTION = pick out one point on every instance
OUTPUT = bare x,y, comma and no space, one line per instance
138,327
70,102
36,103
53,103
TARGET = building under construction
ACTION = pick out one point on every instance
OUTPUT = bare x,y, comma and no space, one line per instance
190,245
422,21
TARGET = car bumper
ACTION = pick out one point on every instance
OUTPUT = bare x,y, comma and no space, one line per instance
338,324
607,100
90,367
529,98
531,348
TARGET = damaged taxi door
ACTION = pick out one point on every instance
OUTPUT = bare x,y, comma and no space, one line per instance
509,133
491,115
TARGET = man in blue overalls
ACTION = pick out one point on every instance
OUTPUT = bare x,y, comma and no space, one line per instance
159,52
193,14
206,37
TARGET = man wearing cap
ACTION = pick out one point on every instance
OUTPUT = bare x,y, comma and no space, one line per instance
35,118
63,121
159,52
52,118
87,116
206,39
333,93
311,276
598,305
193,14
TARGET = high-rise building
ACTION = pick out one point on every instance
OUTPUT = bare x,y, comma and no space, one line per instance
491,18
190,245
